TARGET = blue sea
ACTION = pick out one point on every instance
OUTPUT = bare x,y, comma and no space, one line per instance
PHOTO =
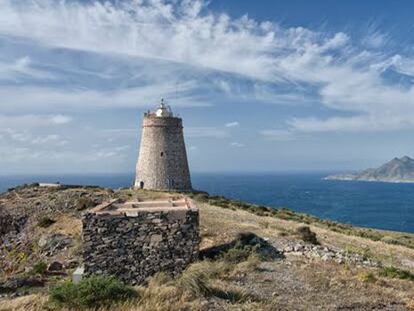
377,205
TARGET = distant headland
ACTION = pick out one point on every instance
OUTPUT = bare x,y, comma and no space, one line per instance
398,170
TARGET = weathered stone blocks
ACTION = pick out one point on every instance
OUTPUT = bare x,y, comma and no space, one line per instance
162,162
134,244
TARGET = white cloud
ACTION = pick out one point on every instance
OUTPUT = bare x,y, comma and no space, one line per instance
237,144
369,123
232,124
341,74
28,121
51,151
22,64
278,135
144,29
47,98
21,68
27,138
46,139
122,148
61,119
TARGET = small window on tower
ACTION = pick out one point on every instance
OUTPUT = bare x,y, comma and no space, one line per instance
162,153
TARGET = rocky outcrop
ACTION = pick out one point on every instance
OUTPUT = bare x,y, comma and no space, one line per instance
326,253
24,241
13,284
11,223
138,244
51,244
398,170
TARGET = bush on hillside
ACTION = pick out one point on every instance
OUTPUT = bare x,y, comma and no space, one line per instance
238,253
396,273
95,291
39,267
201,197
367,277
305,233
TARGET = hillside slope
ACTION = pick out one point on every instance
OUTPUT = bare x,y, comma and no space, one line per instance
397,170
344,272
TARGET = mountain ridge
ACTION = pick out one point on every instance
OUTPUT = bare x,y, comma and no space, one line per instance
398,170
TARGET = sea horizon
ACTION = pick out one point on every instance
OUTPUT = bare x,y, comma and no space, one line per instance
386,206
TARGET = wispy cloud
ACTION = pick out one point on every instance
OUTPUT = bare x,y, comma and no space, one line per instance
237,144
30,121
278,135
87,59
307,65
232,124
47,98
21,68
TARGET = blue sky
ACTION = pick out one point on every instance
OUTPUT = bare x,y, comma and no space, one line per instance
261,85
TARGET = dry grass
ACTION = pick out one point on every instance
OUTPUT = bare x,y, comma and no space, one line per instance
367,277
220,225
131,194
65,224
406,240
294,283
313,282
410,305
30,302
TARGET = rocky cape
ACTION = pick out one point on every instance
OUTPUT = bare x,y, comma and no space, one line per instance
398,170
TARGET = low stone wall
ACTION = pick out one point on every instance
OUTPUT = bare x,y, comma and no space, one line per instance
136,244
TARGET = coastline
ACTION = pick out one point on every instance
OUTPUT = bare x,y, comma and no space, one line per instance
366,205
339,178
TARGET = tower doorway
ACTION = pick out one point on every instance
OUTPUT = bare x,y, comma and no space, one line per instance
141,185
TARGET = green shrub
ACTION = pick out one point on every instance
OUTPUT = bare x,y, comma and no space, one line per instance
237,254
45,222
305,233
390,240
39,267
201,197
95,291
367,277
396,273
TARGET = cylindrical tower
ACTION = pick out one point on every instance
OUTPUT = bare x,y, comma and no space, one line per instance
162,162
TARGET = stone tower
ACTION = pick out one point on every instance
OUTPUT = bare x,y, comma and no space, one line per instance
162,162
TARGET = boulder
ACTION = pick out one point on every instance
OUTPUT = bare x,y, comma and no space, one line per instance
53,243
55,266
70,264
14,284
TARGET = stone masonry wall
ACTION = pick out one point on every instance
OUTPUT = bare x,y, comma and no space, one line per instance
162,162
138,244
